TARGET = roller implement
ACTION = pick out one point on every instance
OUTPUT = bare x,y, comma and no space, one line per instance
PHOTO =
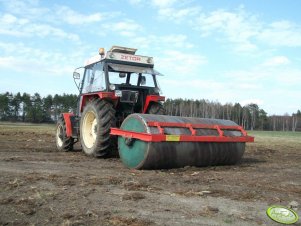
120,104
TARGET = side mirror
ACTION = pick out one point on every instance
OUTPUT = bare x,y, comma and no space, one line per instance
122,75
76,75
143,80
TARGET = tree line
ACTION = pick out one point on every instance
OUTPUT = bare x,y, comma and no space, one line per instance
250,116
34,108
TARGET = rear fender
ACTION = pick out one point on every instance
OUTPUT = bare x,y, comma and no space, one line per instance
68,123
85,98
152,98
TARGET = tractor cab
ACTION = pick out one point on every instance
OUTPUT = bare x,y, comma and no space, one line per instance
127,80
132,84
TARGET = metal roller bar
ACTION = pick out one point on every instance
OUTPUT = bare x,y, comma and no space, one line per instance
190,126
161,137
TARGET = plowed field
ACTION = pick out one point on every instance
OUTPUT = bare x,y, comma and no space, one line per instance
41,186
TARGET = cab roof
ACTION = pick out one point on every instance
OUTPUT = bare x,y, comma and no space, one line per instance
121,55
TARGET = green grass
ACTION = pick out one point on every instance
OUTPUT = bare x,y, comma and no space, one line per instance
275,134
26,127
277,140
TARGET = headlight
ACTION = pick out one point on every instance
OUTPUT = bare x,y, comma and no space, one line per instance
112,87
118,93
112,56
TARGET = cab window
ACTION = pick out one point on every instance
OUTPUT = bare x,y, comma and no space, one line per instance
94,80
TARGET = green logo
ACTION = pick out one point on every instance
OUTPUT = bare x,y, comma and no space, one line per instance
282,214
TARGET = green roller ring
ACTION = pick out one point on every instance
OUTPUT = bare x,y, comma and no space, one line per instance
132,155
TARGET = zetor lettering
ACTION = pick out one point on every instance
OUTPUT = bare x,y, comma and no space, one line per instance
131,58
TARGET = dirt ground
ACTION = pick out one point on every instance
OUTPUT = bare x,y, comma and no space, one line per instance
41,186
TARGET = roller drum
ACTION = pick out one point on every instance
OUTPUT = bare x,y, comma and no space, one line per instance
139,154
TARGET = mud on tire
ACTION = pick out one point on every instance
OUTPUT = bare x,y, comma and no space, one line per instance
63,143
96,121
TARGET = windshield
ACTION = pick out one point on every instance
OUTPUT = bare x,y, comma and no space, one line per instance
131,75
94,79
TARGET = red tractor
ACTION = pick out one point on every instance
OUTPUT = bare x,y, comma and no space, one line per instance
120,97
114,85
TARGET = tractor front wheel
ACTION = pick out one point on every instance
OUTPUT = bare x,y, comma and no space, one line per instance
97,119
63,143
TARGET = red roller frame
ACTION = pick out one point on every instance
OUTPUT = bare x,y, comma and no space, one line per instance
161,137
152,98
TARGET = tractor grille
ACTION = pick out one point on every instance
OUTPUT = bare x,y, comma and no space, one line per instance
129,96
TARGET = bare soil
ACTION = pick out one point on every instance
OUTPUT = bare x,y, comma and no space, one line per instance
41,186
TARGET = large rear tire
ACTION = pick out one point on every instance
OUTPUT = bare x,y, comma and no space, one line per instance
63,143
96,121
156,108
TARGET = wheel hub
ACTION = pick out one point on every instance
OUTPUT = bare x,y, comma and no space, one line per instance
89,129
94,129
59,136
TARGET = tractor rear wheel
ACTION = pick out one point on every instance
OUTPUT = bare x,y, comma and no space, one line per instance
156,108
97,119
63,143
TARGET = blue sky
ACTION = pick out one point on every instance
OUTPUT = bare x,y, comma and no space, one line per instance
226,51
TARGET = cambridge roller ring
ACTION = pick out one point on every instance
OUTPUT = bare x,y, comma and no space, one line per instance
158,141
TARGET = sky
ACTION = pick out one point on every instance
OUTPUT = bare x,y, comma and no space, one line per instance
227,51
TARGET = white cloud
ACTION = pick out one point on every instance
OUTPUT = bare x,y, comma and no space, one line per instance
22,58
281,33
203,88
20,27
174,40
44,30
159,43
193,84
288,77
248,86
245,102
183,64
268,87
26,8
175,10
27,18
8,19
276,61
261,77
126,28
242,31
238,27
17,64
34,66
178,15
251,76
163,3
11,25
32,10
75,18
246,31
135,2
